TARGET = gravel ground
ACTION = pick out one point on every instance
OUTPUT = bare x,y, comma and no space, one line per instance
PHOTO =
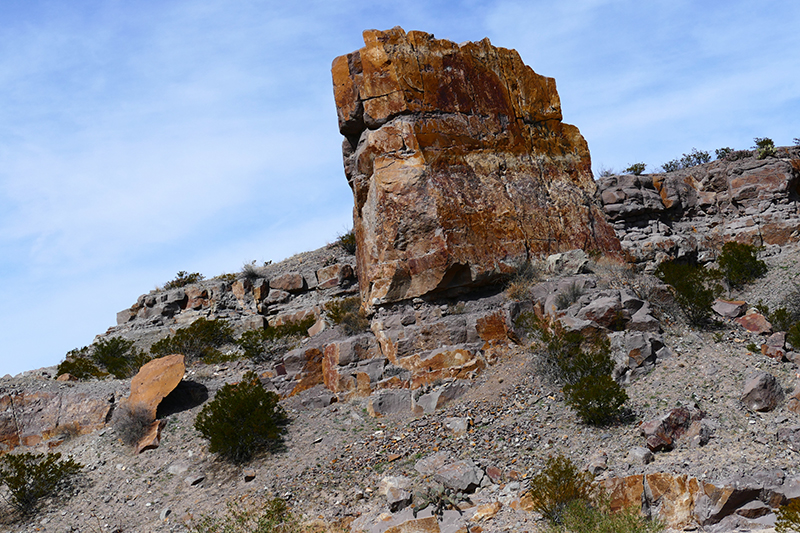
335,457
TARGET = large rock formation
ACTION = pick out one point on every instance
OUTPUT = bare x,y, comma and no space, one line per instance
460,166
691,212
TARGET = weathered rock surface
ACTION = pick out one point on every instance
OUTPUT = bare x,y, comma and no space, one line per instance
30,418
691,212
460,166
155,380
762,392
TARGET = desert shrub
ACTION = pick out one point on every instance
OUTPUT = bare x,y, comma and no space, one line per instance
597,399
796,141
252,273
519,286
692,159
782,319
119,357
739,263
248,516
200,340
583,366
559,484
439,499
793,336
788,517
605,172
636,169
585,517
764,147
78,363
131,422
347,314
183,279
347,242
32,477
242,420
723,153
695,288
268,344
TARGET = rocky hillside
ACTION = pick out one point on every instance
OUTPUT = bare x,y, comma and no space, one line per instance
406,361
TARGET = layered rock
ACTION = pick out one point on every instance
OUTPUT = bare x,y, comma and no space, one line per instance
691,212
460,165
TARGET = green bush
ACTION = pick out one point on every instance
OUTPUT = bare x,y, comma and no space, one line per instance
692,159
78,363
119,357
636,169
32,477
272,516
571,295
723,153
793,336
347,313
764,147
200,340
558,485
584,517
583,366
268,344
739,263
347,242
695,288
183,279
242,420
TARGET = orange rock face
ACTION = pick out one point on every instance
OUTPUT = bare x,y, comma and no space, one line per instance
460,166
155,380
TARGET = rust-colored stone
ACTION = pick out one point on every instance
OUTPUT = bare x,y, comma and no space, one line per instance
152,436
155,380
460,166
493,327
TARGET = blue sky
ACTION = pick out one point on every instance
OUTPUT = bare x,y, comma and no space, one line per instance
142,138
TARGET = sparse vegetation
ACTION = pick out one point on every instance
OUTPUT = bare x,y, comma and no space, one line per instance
248,516
739,263
183,279
583,367
347,314
30,478
723,153
520,285
252,273
695,288
79,364
440,498
242,420
788,517
636,169
347,242
116,356
764,147
692,159
796,141
268,344
200,340
557,486
119,356
585,517
131,422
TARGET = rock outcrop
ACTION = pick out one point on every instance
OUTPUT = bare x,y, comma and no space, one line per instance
691,212
460,165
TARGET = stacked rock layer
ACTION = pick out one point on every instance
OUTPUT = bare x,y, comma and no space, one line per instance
460,165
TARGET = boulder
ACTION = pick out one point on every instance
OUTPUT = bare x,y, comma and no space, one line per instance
729,309
460,166
663,432
755,323
762,392
289,282
388,402
152,436
155,380
463,476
